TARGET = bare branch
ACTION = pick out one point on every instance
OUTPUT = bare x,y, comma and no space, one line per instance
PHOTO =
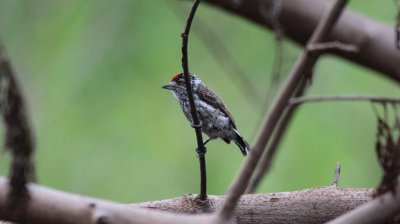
318,99
52,206
303,66
201,150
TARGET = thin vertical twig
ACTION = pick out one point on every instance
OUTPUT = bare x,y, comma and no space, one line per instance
304,66
271,16
335,181
201,150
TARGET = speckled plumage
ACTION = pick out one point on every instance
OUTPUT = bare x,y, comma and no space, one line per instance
216,120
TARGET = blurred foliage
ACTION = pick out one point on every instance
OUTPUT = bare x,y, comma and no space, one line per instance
92,72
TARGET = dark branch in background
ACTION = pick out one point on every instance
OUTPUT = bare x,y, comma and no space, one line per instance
276,72
317,99
371,37
276,76
271,15
19,139
397,27
221,55
304,66
201,150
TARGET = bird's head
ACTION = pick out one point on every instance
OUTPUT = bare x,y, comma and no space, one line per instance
177,83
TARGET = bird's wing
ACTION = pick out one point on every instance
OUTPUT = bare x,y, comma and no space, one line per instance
208,94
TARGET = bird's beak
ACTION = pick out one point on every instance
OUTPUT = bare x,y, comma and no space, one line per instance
169,86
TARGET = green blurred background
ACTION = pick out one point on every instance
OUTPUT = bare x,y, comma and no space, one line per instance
92,73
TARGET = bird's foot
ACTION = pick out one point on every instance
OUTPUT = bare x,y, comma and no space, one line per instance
199,125
201,152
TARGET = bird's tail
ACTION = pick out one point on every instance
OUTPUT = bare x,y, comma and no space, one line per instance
241,142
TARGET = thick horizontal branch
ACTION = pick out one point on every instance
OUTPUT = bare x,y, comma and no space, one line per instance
315,205
51,206
299,18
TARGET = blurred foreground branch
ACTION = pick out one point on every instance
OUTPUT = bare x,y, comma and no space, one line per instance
52,206
315,205
19,139
299,18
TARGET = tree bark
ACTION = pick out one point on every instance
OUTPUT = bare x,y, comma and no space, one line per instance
315,205
51,206
299,18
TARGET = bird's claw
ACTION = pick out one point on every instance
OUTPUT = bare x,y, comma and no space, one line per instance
201,153
199,125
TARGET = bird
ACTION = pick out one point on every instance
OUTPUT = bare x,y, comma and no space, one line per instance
215,119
